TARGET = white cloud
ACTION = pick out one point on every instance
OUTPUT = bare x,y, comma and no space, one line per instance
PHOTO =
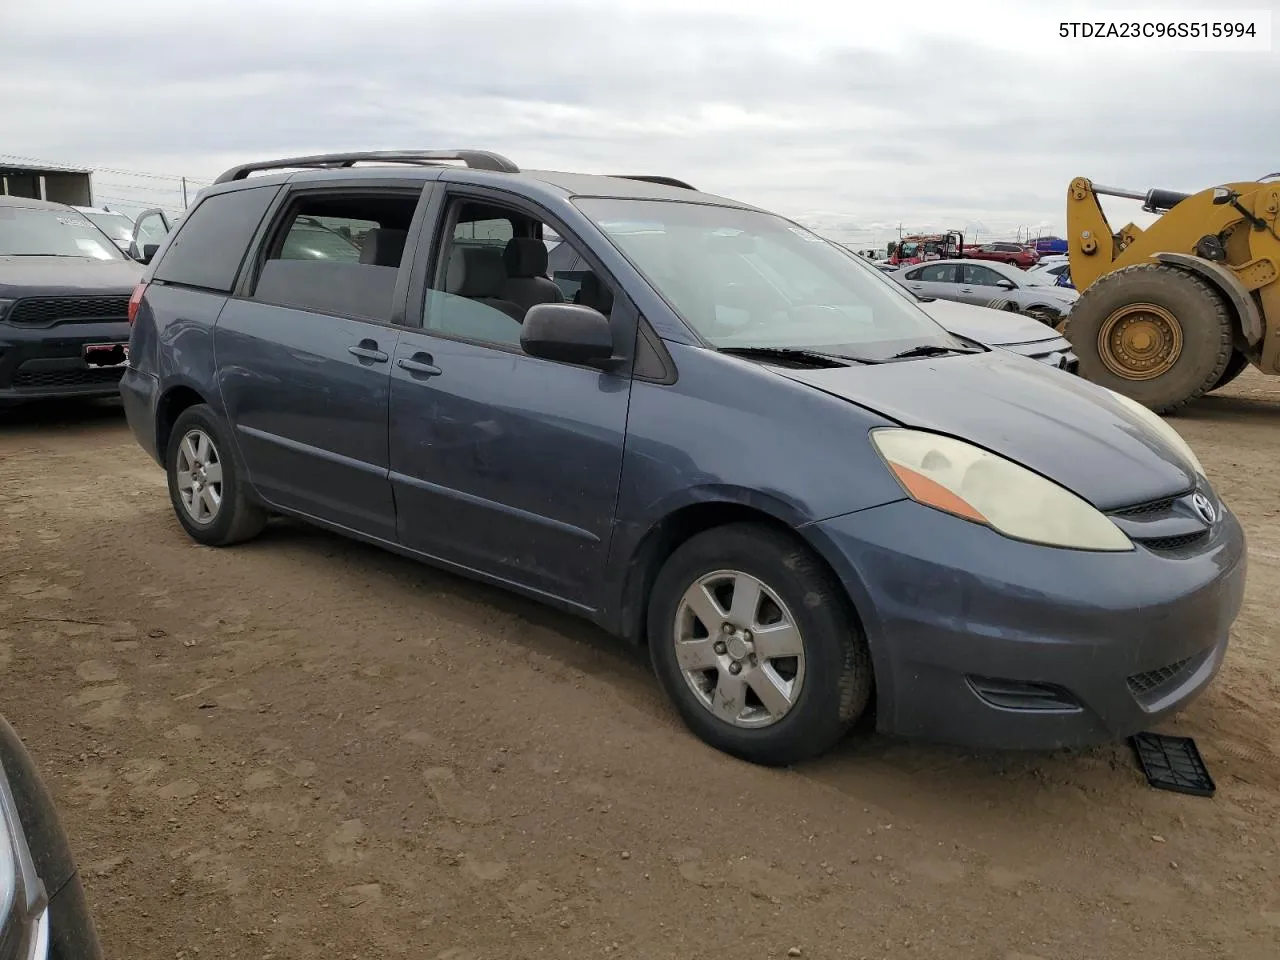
853,117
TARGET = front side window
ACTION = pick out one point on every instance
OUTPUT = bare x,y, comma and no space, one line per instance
50,232
743,278
975,275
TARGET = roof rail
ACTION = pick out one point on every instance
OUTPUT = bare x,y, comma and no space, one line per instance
649,178
477,159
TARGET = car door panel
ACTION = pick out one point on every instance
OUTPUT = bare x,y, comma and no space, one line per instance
505,463
307,396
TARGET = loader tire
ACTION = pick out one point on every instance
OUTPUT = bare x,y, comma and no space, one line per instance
1155,333
1235,366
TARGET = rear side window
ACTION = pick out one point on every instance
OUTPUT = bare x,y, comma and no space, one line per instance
210,245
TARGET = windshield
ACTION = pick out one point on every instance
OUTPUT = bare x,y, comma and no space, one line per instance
742,278
36,232
908,249
115,225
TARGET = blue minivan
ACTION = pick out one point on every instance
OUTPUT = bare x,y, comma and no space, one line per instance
733,444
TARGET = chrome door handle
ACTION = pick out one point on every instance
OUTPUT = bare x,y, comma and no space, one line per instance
368,353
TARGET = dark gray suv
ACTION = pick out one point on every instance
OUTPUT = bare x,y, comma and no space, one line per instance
729,441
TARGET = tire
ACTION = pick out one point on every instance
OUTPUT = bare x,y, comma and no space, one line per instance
1235,366
830,684
235,517
1046,315
1002,303
1180,300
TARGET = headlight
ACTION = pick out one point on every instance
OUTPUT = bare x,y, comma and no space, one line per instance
969,482
24,921
1161,430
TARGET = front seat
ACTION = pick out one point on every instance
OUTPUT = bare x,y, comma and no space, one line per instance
383,247
476,273
527,284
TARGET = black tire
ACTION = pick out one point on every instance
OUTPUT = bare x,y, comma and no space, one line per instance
1002,303
236,518
838,678
1235,366
1201,314
1046,315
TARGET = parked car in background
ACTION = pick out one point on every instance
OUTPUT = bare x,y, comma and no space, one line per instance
43,911
64,303
990,283
1014,332
1011,253
116,225
1055,269
741,447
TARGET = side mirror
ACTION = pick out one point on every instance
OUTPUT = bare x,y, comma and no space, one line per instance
149,252
1006,284
567,333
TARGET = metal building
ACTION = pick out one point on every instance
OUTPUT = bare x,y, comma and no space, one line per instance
59,184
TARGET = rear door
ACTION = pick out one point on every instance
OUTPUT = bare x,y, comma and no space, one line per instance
304,351
933,280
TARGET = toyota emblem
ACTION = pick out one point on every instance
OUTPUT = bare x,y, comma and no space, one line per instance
1204,507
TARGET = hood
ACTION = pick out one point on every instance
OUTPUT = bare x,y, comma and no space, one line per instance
1060,426
66,276
1055,292
993,327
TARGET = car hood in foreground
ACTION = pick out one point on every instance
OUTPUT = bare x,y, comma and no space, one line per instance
66,276
1057,425
995,328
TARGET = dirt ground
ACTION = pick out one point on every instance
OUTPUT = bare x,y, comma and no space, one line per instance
303,747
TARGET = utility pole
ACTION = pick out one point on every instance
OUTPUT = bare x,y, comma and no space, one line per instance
184,193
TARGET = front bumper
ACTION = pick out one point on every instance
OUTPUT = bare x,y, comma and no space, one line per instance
39,363
984,641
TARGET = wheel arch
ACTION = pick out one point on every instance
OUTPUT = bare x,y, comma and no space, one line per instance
172,402
680,523
1248,319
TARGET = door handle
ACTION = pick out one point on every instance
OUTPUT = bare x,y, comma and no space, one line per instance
419,365
368,350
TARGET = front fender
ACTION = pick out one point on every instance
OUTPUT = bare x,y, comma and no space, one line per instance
1228,284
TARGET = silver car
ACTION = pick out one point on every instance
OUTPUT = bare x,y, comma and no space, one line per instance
987,283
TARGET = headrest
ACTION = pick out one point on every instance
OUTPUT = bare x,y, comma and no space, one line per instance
525,257
383,247
474,272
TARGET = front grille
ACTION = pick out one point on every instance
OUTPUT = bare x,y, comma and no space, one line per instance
66,378
1145,685
46,311
1146,509
1174,543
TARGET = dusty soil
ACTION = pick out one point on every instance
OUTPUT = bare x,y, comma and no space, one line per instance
302,747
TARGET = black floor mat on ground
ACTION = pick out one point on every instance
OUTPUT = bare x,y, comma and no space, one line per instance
1172,763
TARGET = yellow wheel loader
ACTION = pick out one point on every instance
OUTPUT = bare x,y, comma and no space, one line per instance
1181,308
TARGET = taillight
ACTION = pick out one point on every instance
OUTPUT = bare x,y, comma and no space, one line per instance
134,300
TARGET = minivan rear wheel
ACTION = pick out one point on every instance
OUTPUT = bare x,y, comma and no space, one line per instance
757,645
205,481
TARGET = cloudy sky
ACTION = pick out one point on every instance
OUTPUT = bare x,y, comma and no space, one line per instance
850,117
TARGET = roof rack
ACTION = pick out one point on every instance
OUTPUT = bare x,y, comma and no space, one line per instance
649,178
477,159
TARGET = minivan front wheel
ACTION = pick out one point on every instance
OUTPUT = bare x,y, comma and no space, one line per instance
757,645
205,484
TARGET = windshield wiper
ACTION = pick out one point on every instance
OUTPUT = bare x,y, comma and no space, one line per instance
810,357
930,350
